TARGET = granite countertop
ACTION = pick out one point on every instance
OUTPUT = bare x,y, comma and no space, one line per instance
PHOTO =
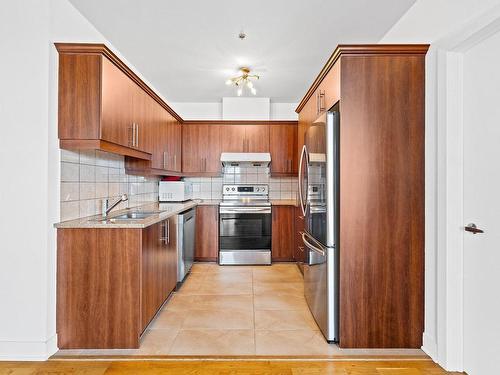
284,202
161,211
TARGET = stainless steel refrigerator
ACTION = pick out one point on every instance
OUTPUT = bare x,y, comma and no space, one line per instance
319,199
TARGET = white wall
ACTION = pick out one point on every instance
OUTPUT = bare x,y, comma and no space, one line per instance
432,21
29,165
213,111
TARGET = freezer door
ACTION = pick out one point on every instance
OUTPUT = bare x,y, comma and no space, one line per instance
320,286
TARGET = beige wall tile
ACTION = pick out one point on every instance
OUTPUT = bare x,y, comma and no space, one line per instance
101,190
70,191
70,172
70,210
87,190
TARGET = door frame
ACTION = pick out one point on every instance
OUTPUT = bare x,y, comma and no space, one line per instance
448,350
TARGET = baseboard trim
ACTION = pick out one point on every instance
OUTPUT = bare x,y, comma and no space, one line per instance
28,350
430,347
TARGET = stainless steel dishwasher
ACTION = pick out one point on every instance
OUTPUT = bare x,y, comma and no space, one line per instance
186,222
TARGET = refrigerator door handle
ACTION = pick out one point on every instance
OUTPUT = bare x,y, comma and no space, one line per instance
303,155
311,246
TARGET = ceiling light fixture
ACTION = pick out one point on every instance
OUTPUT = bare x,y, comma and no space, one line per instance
243,80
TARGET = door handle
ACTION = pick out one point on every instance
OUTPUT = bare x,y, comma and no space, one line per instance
473,229
311,246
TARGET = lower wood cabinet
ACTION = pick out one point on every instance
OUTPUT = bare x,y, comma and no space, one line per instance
111,282
159,267
283,233
207,233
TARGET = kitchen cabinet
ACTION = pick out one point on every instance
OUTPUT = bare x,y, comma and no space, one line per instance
381,269
111,282
245,138
201,149
283,143
159,267
283,234
207,233
104,105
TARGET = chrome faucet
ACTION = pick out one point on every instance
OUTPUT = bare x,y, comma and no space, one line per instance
106,206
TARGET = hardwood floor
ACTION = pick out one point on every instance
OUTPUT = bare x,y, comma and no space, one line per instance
341,367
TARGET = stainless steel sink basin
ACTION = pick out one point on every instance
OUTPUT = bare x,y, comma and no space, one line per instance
133,215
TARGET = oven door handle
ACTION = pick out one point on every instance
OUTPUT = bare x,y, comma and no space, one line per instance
250,210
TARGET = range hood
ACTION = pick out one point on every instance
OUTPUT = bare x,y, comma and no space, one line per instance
237,158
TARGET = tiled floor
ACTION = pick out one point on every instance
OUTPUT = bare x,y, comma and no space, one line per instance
238,310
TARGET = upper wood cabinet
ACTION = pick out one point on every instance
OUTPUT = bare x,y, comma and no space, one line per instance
201,149
104,105
283,143
244,138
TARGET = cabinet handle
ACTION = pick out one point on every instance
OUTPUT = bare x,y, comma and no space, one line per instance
168,231
165,160
175,162
321,100
137,136
131,135
163,236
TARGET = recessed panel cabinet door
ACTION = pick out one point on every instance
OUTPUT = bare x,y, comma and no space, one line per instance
257,138
116,111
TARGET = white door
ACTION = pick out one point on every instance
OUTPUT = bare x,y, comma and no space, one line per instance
481,106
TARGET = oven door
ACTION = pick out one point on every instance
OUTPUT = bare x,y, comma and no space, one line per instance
245,228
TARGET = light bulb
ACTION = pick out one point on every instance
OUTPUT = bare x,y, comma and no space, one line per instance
249,84
228,82
253,91
240,91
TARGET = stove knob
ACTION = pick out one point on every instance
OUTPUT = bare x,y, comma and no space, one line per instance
232,189
227,189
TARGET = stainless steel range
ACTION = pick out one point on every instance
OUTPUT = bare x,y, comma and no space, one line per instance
245,225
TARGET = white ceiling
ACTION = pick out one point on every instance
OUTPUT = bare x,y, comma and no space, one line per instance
188,48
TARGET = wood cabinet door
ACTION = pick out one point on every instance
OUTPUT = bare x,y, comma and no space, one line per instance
283,234
257,138
176,145
283,146
209,144
207,233
232,138
143,107
171,257
191,153
151,273
117,92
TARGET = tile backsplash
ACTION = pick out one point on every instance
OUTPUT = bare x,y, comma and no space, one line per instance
211,187
88,177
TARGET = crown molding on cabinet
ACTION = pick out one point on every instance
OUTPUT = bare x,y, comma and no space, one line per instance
101,49
240,122
361,50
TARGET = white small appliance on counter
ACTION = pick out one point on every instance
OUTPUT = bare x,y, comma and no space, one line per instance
175,191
